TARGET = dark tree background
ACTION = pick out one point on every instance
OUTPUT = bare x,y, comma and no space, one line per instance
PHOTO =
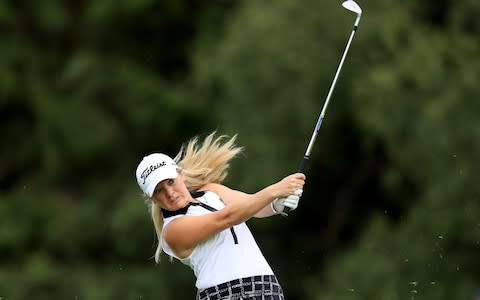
392,204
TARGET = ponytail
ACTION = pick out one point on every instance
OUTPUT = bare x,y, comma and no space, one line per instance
208,162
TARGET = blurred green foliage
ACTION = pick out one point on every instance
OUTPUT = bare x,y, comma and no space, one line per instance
391,208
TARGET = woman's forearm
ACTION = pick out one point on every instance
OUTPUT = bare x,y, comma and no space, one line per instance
257,205
265,212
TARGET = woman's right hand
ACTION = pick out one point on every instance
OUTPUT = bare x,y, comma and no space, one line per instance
288,185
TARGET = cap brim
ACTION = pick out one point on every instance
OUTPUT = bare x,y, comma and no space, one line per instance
157,177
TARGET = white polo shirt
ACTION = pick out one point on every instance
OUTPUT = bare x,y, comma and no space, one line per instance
227,255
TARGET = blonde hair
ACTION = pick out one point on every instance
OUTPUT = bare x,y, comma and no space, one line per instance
200,164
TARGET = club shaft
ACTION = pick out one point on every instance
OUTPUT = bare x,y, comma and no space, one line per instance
306,156
329,95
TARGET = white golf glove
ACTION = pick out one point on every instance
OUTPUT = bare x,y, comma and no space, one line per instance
291,202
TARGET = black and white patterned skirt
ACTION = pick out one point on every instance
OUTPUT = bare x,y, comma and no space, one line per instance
264,287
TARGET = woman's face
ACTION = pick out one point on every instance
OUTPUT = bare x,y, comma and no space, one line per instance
172,194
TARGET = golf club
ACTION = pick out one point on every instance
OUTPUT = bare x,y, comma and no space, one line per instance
353,7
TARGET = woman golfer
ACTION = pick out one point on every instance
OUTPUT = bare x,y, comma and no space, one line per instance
201,222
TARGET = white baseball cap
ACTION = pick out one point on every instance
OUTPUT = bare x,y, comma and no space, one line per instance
153,169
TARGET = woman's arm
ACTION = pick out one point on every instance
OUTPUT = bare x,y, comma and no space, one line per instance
184,233
228,196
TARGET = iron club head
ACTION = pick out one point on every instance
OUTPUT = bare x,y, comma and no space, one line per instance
352,6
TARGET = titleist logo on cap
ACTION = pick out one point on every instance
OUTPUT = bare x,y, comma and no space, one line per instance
150,169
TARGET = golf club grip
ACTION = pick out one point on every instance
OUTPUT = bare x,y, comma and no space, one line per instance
303,166
285,211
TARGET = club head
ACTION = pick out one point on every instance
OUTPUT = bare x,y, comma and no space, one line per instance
352,6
